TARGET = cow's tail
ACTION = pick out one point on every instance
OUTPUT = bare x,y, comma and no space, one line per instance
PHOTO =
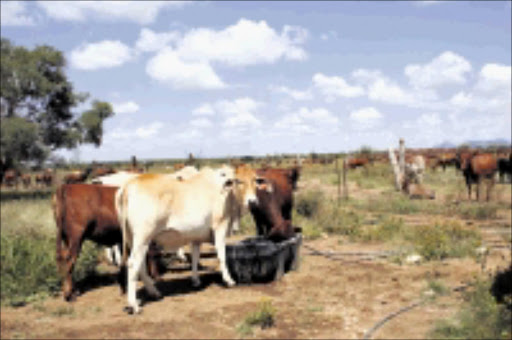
59,214
121,209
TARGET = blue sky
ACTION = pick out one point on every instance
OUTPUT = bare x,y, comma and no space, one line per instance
238,78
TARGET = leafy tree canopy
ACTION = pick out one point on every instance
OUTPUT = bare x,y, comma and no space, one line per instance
36,106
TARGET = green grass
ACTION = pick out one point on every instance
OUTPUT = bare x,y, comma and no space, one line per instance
263,316
28,253
479,318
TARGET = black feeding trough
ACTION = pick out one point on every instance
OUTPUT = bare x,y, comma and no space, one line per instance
259,260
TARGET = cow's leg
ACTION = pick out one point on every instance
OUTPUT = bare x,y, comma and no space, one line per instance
180,253
71,255
134,263
220,246
149,283
478,182
490,185
196,282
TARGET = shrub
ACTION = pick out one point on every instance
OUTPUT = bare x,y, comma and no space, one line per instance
480,318
387,229
308,203
442,240
29,266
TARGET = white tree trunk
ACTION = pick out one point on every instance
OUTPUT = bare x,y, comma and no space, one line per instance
396,169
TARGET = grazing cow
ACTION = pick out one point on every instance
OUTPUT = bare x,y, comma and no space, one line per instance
445,159
84,211
505,168
44,178
11,178
476,168
26,179
174,213
273,212
77,176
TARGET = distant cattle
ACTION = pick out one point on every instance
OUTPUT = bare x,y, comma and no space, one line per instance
505,168
44,178
26,179
174,213
77,176
11,178
356,162
476,168
273,211
445,159
84,211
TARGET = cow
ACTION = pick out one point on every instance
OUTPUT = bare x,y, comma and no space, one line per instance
102,171
26,179
477,167
85,211
11,178
173,213
113,254
445,159
505,168
273,212
44,178
415,169
353,163
77,176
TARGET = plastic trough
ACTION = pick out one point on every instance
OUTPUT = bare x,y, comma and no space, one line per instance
258,260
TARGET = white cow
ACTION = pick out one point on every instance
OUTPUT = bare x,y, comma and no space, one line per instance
113,254
174,213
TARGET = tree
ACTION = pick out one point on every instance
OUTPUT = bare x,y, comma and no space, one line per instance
36,107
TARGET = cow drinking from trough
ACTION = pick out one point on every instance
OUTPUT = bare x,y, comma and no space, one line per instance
174,213
273,213
84,211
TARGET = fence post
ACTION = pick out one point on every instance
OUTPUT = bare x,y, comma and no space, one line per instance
345,187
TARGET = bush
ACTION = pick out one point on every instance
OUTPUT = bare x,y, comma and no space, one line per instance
480,318
308,203
29,265
386,230
443,240
263,317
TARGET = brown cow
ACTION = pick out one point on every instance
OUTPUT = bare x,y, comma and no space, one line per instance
273,212
475,168
77,176
26,179
11,178
85,211
354,163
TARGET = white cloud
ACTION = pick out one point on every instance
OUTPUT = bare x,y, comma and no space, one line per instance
240,112
447,68
306,121
329,35
385,90
244,43
365,118
149,130
142,12
204,110
150,41
332,87
126,107
201,123
295,94
13,13
494,77
103,54
167,66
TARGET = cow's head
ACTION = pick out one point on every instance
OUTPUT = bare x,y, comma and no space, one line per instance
248,182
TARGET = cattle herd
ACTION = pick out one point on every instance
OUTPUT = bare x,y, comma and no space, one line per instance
145,213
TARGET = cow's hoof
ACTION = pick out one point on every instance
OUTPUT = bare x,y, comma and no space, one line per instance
131,310
230,283
155,296
196,282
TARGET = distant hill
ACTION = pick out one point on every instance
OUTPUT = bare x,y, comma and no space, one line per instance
475,143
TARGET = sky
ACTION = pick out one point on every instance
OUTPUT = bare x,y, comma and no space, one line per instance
240,78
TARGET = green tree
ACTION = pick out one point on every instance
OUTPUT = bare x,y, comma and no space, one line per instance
36,106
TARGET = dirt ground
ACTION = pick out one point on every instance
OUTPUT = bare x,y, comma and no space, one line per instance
322,299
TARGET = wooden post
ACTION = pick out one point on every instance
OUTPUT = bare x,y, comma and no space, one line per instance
401,156
396,169
345,187
339,181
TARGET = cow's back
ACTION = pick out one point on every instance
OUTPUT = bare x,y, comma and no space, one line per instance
89,210
484,164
